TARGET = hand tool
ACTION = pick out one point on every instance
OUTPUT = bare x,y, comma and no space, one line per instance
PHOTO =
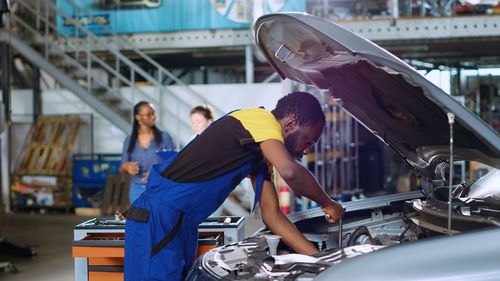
340,233
327,217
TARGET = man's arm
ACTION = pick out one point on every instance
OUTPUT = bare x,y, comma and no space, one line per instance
279,224
299,178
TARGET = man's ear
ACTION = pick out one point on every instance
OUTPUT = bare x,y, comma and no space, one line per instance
290,123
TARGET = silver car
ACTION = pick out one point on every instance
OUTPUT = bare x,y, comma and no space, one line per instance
420,235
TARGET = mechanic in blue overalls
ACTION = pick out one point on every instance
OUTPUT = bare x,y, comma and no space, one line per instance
162,224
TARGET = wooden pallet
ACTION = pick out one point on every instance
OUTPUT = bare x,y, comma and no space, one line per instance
116,197
49,149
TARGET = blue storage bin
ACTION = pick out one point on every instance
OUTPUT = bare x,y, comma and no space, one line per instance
90,172
94,167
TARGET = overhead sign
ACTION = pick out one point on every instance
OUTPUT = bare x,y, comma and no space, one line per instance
142,16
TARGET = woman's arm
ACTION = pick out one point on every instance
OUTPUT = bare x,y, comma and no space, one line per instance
127,166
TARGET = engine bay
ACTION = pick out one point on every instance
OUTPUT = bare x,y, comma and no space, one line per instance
368,225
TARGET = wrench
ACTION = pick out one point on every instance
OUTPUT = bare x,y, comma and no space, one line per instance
327,217
340,233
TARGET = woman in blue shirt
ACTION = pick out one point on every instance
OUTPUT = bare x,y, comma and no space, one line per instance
140,147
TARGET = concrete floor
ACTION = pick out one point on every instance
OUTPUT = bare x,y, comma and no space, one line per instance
52,235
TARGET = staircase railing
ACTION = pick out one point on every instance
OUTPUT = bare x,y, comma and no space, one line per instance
40,27
123,43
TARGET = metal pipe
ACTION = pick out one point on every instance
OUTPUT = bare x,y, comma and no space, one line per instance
117,70
315,159
356,153
324,160
447,8
451,120
249,65
335,146
5,160
342,149
328,133
6,79
178,140
37,19
132,89
92,134
89,67
77,34
37,93
160,103
395,9
348,143
46,29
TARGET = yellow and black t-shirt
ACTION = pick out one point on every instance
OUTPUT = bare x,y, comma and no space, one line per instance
229,143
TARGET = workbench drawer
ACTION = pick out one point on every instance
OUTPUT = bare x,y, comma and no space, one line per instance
105,276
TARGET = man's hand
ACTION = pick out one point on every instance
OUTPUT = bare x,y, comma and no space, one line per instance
333,211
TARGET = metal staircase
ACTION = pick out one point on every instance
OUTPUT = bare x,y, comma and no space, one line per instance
95,77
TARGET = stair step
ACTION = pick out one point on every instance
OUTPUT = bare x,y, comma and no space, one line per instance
97,90
78,75
58,60
113,101
63,60
70,68
125,113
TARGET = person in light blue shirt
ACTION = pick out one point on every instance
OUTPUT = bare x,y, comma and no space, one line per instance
141,146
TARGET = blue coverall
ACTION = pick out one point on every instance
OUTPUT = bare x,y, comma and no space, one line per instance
161,232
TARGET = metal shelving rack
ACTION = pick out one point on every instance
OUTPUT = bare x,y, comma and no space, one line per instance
336,154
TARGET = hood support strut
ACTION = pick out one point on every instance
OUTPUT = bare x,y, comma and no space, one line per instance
451,121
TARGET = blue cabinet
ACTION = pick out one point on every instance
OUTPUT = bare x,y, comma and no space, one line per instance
90,172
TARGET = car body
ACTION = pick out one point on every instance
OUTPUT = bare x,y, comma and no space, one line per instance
481,8
464,8
403,236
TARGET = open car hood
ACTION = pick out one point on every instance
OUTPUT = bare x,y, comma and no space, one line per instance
387,96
